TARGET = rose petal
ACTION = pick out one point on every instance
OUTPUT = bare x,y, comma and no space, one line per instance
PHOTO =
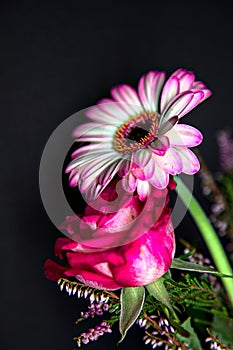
54,271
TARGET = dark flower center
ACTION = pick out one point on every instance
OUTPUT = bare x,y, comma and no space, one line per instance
138,132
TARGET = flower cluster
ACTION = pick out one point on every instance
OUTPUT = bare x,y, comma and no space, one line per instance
95,309
93,334
135,138
120,249
136,135
162,335
82,291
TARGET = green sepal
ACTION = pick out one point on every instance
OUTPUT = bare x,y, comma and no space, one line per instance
160,293
192,340
188,266
132,300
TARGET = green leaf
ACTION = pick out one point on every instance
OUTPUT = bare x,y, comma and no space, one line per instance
159,292
223,327
188,266
192,340
132,300
187,255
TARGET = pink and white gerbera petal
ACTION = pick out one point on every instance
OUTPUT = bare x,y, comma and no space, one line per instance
190,162
94,188
74,177
99,164
149,89
93,169
92,148
108,174
177,105
141,157
85,159
207,93
186,79
166,125
198,85
143,189
144,172
128,97
184,135
160,178
129,182
160,145
94,132
107,111
171,162
170,90
116,109
198,97
149,169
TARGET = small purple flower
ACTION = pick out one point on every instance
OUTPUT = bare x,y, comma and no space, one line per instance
93,333
95,309
225,143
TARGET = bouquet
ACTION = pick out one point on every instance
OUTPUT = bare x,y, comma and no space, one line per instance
129,177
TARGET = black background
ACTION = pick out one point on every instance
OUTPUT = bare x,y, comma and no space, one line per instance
58,57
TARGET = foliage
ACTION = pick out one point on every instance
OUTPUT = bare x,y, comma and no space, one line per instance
196,299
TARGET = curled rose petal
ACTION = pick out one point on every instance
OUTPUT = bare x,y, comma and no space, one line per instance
131,247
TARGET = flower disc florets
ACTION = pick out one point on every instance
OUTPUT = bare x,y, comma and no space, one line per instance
137,133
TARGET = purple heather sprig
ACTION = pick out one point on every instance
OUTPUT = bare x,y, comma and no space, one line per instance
93,334
95,309
225,144
162,335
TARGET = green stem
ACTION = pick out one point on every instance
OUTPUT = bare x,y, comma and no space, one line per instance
209,235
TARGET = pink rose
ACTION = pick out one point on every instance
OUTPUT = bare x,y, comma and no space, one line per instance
131,247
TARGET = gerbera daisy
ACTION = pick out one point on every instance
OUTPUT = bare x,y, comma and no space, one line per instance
137,135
